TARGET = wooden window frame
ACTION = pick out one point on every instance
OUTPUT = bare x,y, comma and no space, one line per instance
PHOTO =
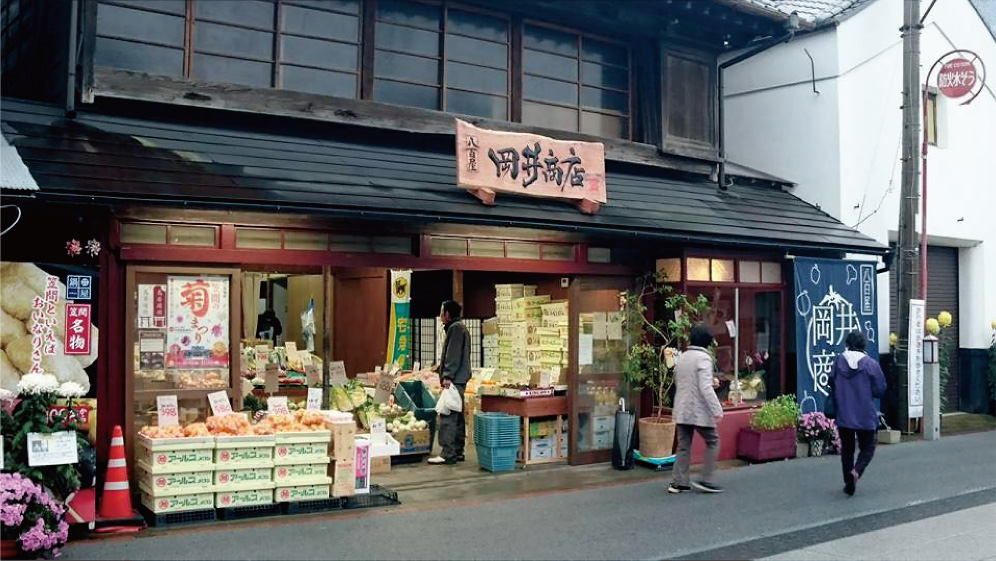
580,108
667,51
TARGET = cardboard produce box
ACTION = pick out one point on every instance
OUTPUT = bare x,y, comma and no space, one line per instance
166,455
248,497
380,464
302,492
343,441
344,478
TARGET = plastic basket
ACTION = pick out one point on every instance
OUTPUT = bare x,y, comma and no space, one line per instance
497,459
415,397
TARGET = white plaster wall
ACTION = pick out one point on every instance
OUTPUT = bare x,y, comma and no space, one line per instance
775,123
854,126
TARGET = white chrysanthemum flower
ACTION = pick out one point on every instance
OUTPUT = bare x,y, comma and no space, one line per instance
34,384
71,389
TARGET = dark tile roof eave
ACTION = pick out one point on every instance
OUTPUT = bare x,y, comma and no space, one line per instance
642,221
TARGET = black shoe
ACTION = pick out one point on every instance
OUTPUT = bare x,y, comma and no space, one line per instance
675,488
707,487
461,458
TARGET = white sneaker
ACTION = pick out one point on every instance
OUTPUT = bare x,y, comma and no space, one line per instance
437,460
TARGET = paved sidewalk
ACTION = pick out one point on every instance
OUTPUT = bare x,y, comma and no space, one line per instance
767,510
968,535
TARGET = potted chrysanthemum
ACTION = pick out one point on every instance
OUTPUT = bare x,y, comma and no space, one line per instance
34,497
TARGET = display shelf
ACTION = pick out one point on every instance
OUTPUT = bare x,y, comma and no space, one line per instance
528,408
180,393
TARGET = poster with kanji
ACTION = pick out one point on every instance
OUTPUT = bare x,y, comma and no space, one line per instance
832,298
197,326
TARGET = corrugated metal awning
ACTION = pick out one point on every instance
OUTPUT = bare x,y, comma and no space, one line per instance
387,176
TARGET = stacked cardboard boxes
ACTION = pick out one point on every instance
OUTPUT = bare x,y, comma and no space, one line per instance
175,474
343,456
490,344
244,471
301,465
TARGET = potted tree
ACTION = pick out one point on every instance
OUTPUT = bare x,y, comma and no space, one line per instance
654,346
772,431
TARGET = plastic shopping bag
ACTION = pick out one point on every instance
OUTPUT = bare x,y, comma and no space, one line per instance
449,401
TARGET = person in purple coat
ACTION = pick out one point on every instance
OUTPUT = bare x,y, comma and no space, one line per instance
857,379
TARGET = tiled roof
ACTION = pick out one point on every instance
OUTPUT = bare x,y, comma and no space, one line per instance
96,156
813,11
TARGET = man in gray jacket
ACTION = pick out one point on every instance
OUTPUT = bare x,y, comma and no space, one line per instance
696,409
454,369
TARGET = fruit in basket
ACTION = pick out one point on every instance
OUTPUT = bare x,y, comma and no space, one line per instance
313,420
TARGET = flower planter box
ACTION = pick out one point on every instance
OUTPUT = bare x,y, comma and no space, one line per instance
763,446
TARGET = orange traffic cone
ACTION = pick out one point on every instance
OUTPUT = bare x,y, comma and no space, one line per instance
115,513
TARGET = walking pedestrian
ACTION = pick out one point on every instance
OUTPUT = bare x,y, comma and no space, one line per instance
855,381
696,409
454,369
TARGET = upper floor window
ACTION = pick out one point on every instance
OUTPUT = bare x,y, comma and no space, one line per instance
433,55
437,57
572,82
300,45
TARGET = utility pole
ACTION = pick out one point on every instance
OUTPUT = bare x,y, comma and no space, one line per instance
908,268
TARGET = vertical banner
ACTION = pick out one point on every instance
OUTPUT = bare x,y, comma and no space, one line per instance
832,298
197,333
918,314
398,336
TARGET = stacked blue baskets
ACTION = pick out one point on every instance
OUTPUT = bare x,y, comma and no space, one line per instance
497,437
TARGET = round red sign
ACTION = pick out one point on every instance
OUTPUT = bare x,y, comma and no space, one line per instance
957,77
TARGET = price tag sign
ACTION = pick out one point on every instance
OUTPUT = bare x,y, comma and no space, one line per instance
314,374
169,412
417,367
385,387
278,405
291,347
378,426
544,378
272,378
306,359
337,373
314,399
219,403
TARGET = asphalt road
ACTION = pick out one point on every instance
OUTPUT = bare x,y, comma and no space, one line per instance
767,509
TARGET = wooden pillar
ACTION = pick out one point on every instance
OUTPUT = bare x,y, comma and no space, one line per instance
327,336
458,287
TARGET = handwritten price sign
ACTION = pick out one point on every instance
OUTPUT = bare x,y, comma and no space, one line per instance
278,405
169,412
219,403
314,399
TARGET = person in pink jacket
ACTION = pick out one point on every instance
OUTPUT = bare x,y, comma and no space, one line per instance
696,409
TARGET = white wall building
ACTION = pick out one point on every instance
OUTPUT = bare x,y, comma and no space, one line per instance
833,126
